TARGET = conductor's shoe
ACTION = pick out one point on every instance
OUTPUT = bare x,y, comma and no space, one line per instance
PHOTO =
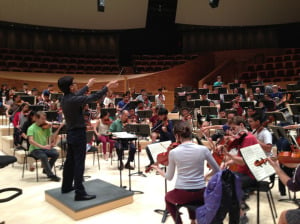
127,166
84,197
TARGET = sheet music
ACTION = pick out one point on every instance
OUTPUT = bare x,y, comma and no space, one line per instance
254,153
156,148
123,135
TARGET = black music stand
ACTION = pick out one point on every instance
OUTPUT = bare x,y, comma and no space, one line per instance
132,104
278,116
117,100
246,104
93,106
151,98
213,96
144,114
233,85
112,112
200,103
51,115
202,91
294,109
259,97
218,121
36,108
222,90
229,97
56,96
209,110
225,105
194,96
140,130
29,99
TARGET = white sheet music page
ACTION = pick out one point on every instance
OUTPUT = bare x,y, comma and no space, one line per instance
159,147
123,135
254,157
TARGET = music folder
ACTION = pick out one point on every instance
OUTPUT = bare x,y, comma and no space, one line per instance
255,158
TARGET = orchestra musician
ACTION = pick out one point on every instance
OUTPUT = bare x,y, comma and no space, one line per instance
263,135
291,216
189,159
72,106
164,128
121,145
160,98
101,129
40,148
237,126
123,104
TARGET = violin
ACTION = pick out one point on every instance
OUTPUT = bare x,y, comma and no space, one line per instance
264,124
48,125
163,158
107,121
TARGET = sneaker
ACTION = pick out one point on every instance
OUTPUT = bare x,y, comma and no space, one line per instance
54,178
244,220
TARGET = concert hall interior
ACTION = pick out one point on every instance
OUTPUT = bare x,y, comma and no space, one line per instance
174,77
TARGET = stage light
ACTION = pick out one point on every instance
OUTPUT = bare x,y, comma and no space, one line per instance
214,3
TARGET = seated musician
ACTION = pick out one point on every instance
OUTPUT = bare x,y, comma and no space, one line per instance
121,145
263,135
189,159
123,104
290,216
132,117
45,102
236,106
164,128
237,126
39,147
101,129
19,119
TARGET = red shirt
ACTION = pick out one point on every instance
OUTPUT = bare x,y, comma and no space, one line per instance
248,141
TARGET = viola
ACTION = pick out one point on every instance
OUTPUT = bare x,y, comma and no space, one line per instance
48,125
163,158
289,157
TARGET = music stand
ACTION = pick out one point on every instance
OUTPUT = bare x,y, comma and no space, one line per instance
140,130
213,96
226,105
178,89
269,104
222,90
246,104
93,106
190,104
278,116
233,85
258,97
202,91
241,91
51,115
194,96
30,99
36,108
279,132
262,88
258,110
218,121
132,104
112,112
21,93
292,87
56,96
144,113
229,97
209,110
294,109
200,103
151,98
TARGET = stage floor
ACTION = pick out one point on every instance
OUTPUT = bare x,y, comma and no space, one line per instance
108,196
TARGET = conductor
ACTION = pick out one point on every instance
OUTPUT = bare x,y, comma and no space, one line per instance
72,106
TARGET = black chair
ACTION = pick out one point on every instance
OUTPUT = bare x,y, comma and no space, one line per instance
25,161
190,206
93,149
266,186
4,161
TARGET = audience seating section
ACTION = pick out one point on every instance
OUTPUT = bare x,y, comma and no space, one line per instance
25,60
285,67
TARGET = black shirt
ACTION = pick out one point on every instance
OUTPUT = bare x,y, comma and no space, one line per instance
72,106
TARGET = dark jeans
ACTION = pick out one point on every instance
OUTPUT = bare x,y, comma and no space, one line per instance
122,145
247,183
75,161
43,155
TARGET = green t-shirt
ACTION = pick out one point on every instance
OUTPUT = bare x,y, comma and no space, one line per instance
39,134
116,126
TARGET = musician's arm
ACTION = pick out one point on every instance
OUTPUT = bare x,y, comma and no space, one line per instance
233,159
211,161
171,167
281,174
265,147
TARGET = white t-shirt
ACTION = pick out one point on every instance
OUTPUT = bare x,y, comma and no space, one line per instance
264,136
